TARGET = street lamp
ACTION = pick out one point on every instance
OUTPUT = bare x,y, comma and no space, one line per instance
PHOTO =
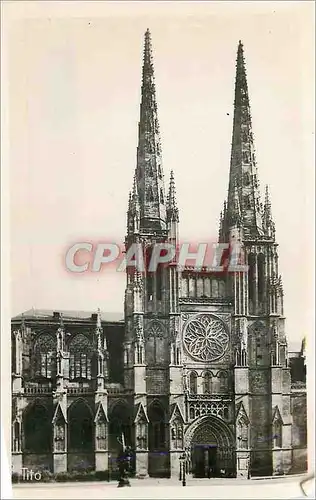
109,467
182,460
249,466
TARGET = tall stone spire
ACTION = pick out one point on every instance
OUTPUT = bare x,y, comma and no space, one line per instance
149,174
243,171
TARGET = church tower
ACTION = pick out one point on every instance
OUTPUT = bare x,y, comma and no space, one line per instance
151,346
262,376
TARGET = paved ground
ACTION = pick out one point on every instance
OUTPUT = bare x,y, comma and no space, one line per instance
287,487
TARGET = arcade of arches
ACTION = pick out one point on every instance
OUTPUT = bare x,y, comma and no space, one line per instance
209,438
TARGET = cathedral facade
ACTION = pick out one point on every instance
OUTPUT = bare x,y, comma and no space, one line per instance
197,368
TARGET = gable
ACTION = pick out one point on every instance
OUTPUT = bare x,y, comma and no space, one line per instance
175,413
100,412
59,413
276,418
140,413
241,414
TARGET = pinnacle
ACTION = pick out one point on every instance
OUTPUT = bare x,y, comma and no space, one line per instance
267,204
99,318
267,196
172,191
134,186
171,200
134,196
267,214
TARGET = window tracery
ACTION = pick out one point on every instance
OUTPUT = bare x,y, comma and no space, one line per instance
200,409
45,356
155,344
80,357
205,338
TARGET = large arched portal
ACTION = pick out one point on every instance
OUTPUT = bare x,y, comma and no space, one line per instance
212,448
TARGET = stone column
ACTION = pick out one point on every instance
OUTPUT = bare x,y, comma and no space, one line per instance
101,431
17,374
60,429
141,439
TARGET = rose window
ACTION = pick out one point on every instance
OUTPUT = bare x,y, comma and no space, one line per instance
205,338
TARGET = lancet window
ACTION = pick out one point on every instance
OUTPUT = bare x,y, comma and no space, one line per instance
193,383
207,380
80,357
45,356
156,417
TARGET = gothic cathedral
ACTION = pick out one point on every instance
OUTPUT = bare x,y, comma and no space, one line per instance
199,365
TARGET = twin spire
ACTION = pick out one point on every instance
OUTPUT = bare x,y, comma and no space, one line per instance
148,204
244,208
148,200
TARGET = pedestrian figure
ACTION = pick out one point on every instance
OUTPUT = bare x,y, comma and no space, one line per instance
123,460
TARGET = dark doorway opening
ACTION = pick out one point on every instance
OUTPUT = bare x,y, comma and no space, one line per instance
204,461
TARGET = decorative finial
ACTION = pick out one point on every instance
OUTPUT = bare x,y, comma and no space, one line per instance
99,318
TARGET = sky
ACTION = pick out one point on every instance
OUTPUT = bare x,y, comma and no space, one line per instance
74,74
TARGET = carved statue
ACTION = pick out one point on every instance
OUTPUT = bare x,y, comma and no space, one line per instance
180,432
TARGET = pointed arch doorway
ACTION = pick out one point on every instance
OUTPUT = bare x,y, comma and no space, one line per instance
212,449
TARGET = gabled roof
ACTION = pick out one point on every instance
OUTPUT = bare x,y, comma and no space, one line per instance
70,315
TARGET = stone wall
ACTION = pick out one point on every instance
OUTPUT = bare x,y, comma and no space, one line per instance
299,432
